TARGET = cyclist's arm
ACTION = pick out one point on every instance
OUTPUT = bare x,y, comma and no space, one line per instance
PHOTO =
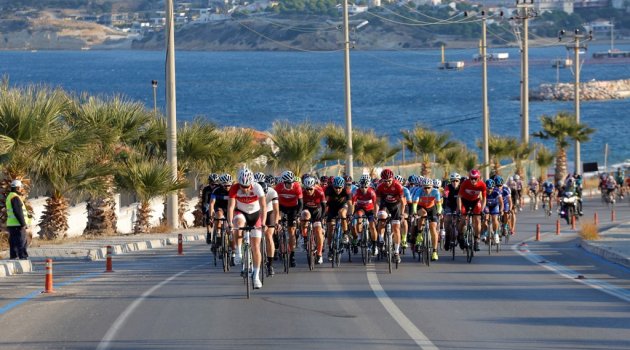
300,205
211,210
276,210
377,204
230,211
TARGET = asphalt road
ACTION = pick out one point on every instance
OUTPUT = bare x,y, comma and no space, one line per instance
526,297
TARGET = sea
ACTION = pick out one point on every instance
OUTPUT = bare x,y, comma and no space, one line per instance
391,90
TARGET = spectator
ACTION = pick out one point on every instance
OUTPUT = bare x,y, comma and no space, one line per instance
17,221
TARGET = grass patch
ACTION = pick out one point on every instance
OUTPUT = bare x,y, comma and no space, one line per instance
161,228
588,231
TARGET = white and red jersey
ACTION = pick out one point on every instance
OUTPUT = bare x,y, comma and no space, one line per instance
390,194
471,192
314,199
288,197
247,198
365,200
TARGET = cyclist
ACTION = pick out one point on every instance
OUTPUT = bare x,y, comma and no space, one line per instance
494,208
206,194
506,194
390,198
472,197
450,204
547,193
273,216
519,190
429,203
437,184
338,203
533,191
404,227
314,207
350,185
290,199
363,202
219,201
247,206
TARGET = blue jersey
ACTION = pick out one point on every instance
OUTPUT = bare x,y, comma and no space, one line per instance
407,194
353,189
492,199
547,187
506,193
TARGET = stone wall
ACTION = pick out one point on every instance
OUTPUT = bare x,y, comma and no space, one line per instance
592,90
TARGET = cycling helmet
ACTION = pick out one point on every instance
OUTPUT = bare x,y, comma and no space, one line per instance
437,183
225,179
516,177
16,183
212,178
426,182
455,176
270,179
304,176
348,179
474,174
288,176
338,181
264,186
399,178
414,179
259,177
365,177
490,183
330,180
498,180
309,182
245,177
533,178
364,182
387,174
323,179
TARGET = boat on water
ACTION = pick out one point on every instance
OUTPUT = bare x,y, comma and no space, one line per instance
561,62
456,65
612,52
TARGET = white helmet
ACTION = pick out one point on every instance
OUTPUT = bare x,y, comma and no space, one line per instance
16,183
455,176
426,182
259,177
437,183
516,177
309,182
245,177
225,179
287,176
399,179
364,177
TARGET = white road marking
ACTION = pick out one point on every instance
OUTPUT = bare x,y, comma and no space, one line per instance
120,321
572,275
421,340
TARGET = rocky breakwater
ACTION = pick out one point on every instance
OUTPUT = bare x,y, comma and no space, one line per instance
592,90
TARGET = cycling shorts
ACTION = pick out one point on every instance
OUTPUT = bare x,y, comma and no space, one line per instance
252,219
474,205
316,214
492,210
368,213
271,219
432,214
333,211
392,208
291,213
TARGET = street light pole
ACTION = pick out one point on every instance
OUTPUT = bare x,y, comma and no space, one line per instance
576,47
484,99
525,13
171,112
348,101
154,83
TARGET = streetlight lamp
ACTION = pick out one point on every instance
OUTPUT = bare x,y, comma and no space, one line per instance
154,83
577,47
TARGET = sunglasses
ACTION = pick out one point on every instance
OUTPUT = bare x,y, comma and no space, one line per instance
455,181
308,189
339,188
474,179
428,188
364,186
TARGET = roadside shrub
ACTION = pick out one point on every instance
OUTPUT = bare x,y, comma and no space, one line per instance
588,231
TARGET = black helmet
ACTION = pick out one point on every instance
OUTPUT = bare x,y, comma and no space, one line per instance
213,178
264,186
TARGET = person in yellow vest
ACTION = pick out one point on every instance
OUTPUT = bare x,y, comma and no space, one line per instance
17,221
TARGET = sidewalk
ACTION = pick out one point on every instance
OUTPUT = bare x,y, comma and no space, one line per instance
96,249
614,244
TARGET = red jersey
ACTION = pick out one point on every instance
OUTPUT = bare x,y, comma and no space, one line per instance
247,199
390,194
365,200
288,197
314,199
470,191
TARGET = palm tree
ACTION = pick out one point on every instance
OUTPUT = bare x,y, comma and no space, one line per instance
499,148
425,142
298,145
519,151
64,166
470,160
368,149
28,116
452,158
544,159
562,128
121,124
148,179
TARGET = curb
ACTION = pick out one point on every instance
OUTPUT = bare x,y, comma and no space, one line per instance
606,253
13,267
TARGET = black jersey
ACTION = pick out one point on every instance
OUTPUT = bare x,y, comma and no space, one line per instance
450,197
337,199
220,196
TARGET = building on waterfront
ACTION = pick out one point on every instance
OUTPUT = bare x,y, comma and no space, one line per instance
600,28
554,5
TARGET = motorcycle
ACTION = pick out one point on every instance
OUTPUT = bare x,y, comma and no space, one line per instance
569,206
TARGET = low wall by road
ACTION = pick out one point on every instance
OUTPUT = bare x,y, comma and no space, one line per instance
592,90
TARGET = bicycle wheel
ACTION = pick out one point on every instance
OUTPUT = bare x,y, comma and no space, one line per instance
453,237
428,244
245,270
262,269
310,249
388,244
215,245
364,246
284,248
225,243
470,250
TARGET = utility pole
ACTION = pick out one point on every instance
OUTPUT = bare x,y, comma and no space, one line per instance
484,99
524,13
171,111
576,47
346,39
